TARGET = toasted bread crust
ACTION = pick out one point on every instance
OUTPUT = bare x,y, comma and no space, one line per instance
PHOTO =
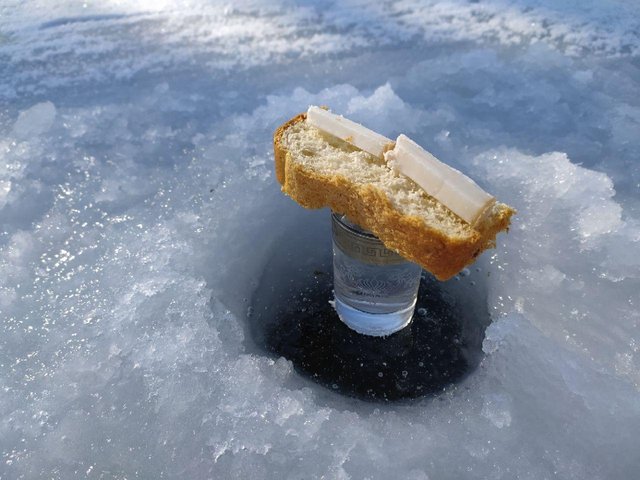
410,236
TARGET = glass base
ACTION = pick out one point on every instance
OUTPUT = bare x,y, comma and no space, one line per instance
374,324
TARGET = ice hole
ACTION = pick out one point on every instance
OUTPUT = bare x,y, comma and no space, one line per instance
290,316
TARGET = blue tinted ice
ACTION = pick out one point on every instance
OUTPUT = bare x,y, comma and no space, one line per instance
138,205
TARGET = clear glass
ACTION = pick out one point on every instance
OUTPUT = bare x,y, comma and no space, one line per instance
375,289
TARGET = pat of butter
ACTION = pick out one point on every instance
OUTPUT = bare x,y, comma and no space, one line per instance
347,130
449,186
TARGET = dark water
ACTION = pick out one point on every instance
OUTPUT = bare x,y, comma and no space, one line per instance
291,316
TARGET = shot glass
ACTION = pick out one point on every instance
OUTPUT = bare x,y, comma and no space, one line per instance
375,288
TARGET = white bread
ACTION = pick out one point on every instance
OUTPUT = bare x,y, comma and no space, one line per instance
319,170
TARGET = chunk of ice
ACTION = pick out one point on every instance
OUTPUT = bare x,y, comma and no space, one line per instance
35,121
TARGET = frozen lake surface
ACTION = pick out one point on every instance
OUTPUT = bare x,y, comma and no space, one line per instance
139,208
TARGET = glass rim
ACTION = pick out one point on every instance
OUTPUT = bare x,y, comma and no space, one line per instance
353,228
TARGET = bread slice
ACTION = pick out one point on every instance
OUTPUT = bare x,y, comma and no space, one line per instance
319,170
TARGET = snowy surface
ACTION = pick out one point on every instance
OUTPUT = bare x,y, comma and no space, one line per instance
138,205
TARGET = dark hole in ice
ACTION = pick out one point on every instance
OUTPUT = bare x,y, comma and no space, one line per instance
290,316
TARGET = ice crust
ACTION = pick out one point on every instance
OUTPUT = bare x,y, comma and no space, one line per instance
138,205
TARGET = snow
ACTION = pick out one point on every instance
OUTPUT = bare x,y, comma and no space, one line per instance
139,208
34,121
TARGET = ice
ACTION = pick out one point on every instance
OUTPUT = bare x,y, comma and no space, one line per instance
138,209
35,121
